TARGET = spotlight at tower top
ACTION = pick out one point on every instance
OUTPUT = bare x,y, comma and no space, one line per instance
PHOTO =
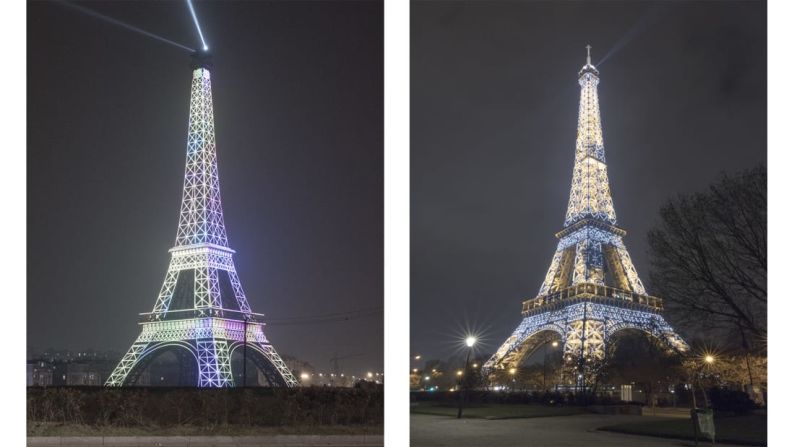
204,45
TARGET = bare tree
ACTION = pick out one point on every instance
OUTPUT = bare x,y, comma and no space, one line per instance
708,257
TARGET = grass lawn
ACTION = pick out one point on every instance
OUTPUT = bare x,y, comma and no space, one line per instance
746,430
55,429
496,411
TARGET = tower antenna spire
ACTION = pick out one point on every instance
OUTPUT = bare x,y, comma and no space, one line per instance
588,54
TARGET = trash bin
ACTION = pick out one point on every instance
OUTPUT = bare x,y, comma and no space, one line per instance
703,419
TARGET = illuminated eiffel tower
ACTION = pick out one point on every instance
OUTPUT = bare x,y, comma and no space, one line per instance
591,291
201,313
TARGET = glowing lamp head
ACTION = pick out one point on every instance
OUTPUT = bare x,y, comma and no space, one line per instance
555,344
470,341
709,359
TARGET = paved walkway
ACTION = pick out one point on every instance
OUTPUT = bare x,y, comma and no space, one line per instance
207,441
562,431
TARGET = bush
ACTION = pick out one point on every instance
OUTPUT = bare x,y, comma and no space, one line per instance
167,407
730,401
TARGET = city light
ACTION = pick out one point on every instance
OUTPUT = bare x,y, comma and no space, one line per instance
418,357
304,376
459,373
369,374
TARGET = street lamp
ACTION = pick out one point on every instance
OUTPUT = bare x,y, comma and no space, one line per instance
470,341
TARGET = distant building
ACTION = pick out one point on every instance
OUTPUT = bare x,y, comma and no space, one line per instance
83,373
39,374
64,367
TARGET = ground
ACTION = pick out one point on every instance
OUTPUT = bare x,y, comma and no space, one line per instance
557,431
748,429
49,429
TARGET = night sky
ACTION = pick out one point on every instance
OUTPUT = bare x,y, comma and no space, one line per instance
494,106
298,97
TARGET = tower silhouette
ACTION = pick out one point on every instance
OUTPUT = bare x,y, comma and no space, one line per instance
201,313
591,291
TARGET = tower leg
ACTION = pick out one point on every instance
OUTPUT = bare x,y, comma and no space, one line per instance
584,350
120,374
215,366
273,357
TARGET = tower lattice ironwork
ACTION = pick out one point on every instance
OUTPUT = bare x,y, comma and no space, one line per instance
201,312
591,291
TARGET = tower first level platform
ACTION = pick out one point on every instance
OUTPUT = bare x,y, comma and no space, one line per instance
586,317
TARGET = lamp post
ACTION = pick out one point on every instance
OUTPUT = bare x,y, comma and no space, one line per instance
470,341
707,360
245,351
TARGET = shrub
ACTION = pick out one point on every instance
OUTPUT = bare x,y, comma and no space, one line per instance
730,400
166,407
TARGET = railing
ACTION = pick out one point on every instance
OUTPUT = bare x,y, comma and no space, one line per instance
184,314
588,290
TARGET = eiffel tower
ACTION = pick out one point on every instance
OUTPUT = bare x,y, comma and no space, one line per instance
591,291
201,313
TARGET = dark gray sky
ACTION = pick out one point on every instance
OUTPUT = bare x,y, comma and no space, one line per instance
494,104
298,97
